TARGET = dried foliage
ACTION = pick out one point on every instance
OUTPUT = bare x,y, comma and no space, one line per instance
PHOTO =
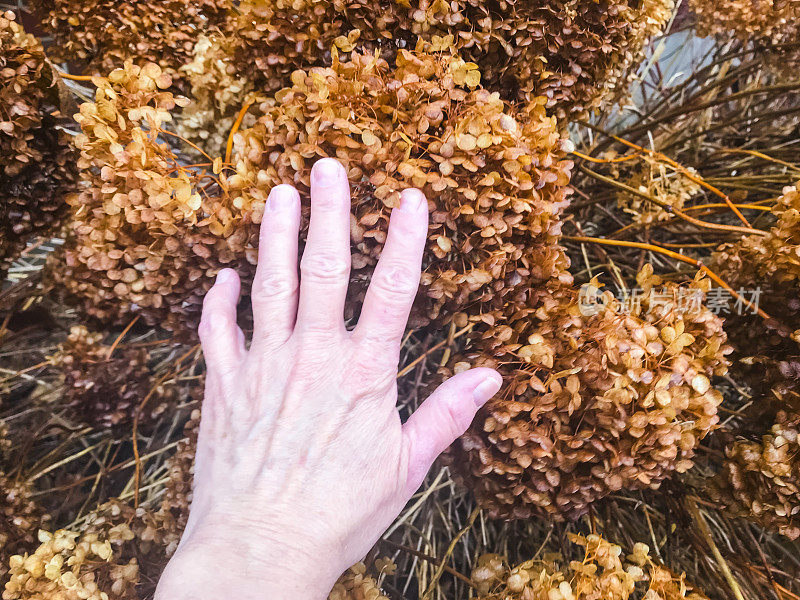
604,573
761,480
98,36
37,161
576,53
773,258
148,235
174,512
591,404
217,95
768,357
654,179
763,21
20,519
69,565
359,584
105,390
495,176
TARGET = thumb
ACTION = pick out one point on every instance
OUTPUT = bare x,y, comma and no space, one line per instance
443,417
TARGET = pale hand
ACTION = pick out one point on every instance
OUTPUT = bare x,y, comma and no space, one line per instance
302,459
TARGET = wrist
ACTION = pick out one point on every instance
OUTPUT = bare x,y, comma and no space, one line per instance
213,570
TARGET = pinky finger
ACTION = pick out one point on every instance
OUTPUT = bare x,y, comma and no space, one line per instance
221,337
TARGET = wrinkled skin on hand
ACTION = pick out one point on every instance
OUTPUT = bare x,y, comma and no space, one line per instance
302,458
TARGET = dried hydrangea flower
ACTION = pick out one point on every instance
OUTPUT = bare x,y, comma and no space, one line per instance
656,180
217,93
107,391
772,257
761,480
358,583
605,572
765,21
767,357
20,519
37,160
595,401
97,36
69,565
576,53
495,175
147,235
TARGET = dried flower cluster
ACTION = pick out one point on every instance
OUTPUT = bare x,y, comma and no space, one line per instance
147,234
97,36
119,547
653,178
774,258
603,573
761,480
174,512
593,403
37,161
495,176
217,95
359,584
69,565
20,519
107,391
767,352
762,21
573,52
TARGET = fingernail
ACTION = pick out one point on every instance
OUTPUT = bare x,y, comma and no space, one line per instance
225,276
487,388
411,200
281,198
326,171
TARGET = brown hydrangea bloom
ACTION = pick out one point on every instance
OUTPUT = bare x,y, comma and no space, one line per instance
602,574
574,52
217,92
772,258
597,397
494,175
98,36
20,519
767,352
147,235
69,565
770,21
605,572
358,583
174,512
107,391
657,180
761,480
36,159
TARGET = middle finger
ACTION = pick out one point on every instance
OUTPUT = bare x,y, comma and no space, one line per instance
325,266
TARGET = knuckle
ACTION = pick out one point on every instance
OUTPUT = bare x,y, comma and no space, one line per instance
214,323
457,422
273,284
396,281
370,377
325,266
311,359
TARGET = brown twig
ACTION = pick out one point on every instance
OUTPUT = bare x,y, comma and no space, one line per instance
669,208
680,257
235,128
705,530
438,574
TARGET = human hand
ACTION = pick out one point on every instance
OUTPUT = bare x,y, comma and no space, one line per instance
302,460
